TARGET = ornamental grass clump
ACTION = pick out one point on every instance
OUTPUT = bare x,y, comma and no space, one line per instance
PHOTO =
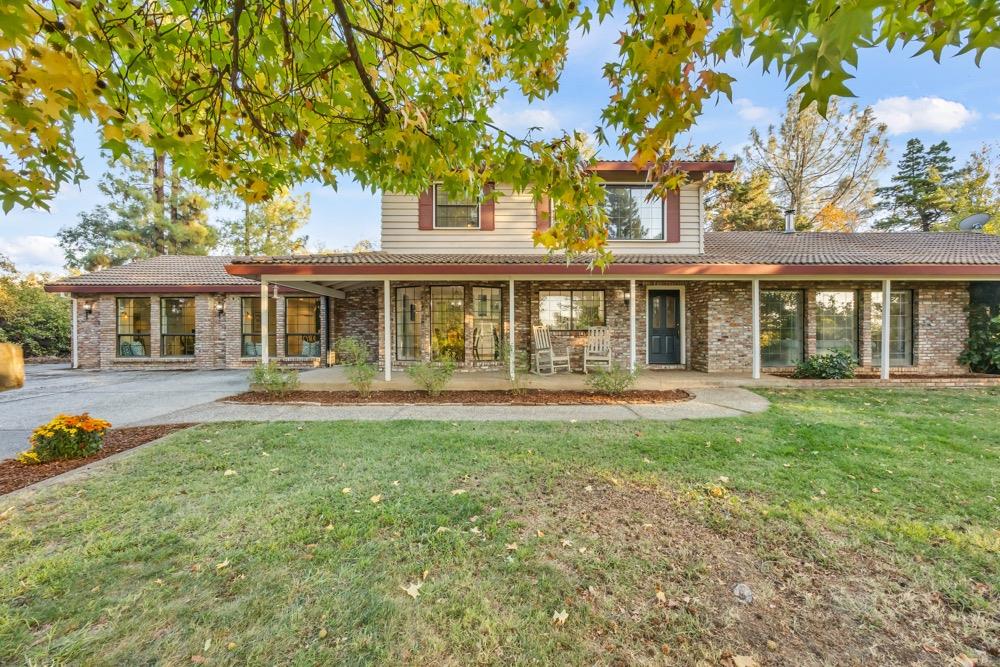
65,437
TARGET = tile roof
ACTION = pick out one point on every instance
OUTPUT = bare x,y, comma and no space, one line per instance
801,248
175,270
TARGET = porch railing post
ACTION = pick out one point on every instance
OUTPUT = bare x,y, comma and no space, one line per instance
631,325
511,352
755,329
265,353
886,307
386,331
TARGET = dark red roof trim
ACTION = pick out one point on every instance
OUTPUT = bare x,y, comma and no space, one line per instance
161,289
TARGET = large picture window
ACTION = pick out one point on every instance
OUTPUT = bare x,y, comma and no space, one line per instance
631,216
250,340
487,324
837,322
448,323
409,320
571,309
900,328
133,327
780,327
177,326
302,326
453,213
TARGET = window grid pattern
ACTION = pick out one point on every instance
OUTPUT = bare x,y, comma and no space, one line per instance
571,309
454,213
781,329
448,323
409,321
302,326
631,215
177,327
837,322
900,328
487,323
133,327
250,341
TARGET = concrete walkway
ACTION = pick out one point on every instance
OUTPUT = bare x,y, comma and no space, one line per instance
707,403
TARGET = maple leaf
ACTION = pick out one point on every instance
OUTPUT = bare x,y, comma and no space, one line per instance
224,564
512,546
413,590
229,473
376,498
559,617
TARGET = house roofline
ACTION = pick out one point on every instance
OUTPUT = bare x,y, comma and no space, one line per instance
158,289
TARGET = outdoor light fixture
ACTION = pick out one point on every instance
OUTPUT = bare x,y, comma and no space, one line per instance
220,307
88,308
628,297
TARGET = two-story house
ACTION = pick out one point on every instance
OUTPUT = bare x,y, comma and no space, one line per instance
462,279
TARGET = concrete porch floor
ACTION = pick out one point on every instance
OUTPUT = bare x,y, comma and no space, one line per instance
334,378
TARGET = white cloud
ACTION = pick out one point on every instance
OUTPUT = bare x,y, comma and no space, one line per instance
934,114
33,253
749,111
518,122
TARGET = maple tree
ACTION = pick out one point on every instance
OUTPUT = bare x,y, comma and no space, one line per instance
260,94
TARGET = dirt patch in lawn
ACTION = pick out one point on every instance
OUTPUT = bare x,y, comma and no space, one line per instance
471,397
657,573
16,475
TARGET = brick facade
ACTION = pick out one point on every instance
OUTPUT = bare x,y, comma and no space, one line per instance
716,321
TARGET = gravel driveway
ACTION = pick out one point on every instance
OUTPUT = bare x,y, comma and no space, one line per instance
121,397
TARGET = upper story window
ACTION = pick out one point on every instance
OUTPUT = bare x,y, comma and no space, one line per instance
632,216
452,213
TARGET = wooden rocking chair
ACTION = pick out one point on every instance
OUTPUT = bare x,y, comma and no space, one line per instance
598,350
544,356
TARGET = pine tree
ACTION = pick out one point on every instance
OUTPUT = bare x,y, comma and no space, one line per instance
739,200
624,221
916,198
268,228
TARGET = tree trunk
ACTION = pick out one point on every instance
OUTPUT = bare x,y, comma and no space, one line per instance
159,196
246,228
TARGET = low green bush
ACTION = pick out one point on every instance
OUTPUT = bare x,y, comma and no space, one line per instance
614,381
361,376
982,349
833,365
351,350
274,379
432,376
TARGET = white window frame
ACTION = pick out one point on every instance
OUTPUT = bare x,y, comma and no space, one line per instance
663,212
434,215
681,321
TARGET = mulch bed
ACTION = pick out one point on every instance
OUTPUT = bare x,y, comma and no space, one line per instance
15,475
471,397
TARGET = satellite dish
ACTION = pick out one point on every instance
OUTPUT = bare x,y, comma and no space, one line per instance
974,222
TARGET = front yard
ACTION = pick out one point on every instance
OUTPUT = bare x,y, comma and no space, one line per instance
864,522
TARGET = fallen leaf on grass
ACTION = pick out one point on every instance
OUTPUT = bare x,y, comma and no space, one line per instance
559,618
566,543
346,489
199,659
231,646
329,526
413,590
539,533
443,529
376,498
224,564
229,473
322,633
512,546
875,489
964,660
395,482
458,492
661,596
744,661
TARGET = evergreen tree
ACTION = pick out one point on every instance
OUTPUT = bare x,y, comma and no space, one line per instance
268,228
739,200
917,197
624,221
975,189
142,217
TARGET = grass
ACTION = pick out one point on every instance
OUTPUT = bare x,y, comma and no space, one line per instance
865,523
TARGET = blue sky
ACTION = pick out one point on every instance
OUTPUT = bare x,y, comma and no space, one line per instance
953,100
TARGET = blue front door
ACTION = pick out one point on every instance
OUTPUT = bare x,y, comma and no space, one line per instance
664,327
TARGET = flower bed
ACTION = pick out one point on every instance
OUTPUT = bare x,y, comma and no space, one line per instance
471,397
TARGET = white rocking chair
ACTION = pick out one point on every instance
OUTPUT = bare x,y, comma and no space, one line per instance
598,349
544,356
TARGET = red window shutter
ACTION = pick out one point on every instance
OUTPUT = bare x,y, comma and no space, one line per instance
542,220
487,210
425,209
672,216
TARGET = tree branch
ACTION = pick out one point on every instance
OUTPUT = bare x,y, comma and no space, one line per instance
382,109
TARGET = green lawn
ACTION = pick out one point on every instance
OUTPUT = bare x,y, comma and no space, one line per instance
864,521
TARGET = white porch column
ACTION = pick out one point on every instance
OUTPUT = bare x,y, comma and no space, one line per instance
73,338
265,353
386,331
631,325
886,292
511,352
755,329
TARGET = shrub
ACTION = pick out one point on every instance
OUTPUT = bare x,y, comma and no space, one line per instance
522,366
33,318
274,379
361,377
351,351
614,381
833,365
982,349
432,376
65,437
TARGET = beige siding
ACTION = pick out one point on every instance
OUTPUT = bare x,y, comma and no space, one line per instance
514,224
